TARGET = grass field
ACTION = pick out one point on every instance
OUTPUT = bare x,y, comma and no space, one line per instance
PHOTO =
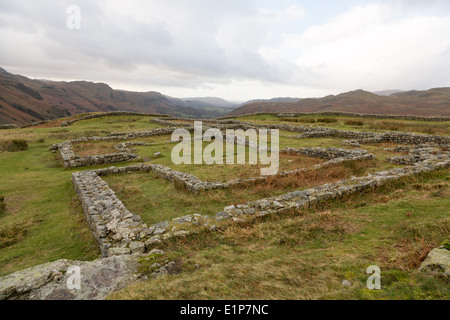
296,255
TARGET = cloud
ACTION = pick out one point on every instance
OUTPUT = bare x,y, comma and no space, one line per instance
223,45
371,47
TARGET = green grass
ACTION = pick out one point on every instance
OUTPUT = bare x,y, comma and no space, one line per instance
13,145
42,221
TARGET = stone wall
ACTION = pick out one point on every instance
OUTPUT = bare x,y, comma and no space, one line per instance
110,221
418,154
37,123
360,136
109,114
70,159
193,184
367,115
9,126
347,114
167,122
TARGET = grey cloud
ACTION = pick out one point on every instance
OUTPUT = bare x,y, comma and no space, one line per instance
122,42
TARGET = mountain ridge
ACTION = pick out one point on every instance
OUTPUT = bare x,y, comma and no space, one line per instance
24,100
431,102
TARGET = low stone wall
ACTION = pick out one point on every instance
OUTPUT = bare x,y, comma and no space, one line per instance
195,185
109,114
168,122
37,123
367,115
418,154
9,126
359,136
372,137
123,147
110,221
342,113
70,159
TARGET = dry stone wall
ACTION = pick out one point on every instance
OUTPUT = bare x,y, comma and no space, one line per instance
347,114
9,126
418,154
109,114
70,159
363,137
368,115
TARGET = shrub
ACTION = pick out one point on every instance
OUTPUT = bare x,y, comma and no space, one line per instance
2,204
354,123
327,120
301,120
13,145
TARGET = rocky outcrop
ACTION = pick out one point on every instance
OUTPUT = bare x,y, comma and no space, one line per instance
437,261
49,281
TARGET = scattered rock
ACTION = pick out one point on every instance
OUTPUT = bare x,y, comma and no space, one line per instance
118,251
346,283
438,261
137,247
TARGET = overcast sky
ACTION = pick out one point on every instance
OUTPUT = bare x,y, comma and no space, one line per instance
237,50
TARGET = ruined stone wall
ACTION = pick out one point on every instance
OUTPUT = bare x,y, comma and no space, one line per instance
347,114
109,114
367,115
110,221
9,126
70,159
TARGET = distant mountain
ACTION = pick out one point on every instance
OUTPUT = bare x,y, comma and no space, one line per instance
25,100
279,99
433,102
208,107
386,92
211,102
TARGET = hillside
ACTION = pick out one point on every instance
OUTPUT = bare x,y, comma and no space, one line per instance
431,102
24,100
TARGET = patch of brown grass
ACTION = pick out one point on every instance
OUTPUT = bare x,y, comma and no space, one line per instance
11,234
311,178
407,254
84,149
